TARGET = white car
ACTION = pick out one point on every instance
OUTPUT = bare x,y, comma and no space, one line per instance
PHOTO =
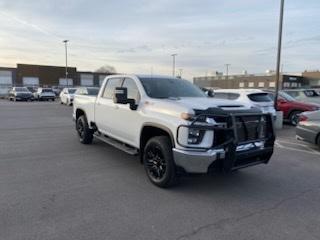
173,126
67,95
44,94
255,98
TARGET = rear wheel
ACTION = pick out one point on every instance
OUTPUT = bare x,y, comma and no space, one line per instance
294,118
158,162
84,132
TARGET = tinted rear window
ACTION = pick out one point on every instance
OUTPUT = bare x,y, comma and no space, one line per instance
72,90
259,97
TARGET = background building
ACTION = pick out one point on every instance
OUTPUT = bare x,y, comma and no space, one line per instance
46,76
262,81
312,78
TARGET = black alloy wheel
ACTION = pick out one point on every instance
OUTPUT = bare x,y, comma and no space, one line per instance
158,161
155,162
84,132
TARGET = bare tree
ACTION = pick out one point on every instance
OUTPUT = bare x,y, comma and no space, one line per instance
106,69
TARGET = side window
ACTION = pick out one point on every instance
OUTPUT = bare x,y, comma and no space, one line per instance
110,86
133,91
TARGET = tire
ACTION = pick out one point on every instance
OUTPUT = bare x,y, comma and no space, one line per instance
294,118
84,132
318,141
158,162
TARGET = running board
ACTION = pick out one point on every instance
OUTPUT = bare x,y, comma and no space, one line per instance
117,144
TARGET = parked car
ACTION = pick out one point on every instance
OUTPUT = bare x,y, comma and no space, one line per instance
304,95
253,97
32,89
308,128
174,126
57,90
44,94
291,108
20,94
67,95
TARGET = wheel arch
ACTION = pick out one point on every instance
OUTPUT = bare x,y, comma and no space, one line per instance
150,130
80,112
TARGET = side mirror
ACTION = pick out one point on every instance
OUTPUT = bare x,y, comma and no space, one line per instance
210,93
120,96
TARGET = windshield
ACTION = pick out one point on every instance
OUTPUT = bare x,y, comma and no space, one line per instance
72,90
21,89
170,88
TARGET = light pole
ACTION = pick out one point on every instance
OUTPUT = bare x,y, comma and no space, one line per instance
66,48
227,70
174,64
279,54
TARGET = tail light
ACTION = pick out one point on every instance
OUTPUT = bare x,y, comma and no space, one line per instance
303,118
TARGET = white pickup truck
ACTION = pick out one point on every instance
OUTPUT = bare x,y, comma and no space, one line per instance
173,126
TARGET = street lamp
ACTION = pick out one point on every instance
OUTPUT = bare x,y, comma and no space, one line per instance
174,63
227,70
66,48
279,54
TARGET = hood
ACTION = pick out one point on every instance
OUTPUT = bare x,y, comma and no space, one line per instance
305,104
174,107
204,103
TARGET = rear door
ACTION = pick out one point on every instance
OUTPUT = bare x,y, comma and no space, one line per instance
106,109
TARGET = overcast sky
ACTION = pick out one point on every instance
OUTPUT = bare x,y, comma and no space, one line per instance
138,36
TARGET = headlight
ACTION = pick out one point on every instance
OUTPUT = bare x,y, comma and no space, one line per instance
195,137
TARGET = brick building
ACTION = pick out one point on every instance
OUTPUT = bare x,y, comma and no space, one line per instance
46,76
262,81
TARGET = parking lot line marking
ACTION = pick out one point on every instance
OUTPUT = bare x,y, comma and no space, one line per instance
293,143
310,151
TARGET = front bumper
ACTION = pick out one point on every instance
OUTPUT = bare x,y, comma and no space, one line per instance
222,159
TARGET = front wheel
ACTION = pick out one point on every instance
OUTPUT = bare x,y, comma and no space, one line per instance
158,162
84,132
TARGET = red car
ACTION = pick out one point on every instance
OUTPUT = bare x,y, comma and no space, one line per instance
291,108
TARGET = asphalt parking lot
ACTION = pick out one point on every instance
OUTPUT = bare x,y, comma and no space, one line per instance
53,187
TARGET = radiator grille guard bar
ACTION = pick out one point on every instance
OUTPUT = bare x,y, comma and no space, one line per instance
233,130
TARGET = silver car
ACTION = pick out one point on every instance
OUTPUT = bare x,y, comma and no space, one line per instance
308,128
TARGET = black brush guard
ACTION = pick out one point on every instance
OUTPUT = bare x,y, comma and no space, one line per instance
233,130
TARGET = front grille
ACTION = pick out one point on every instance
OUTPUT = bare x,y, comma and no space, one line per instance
249,128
